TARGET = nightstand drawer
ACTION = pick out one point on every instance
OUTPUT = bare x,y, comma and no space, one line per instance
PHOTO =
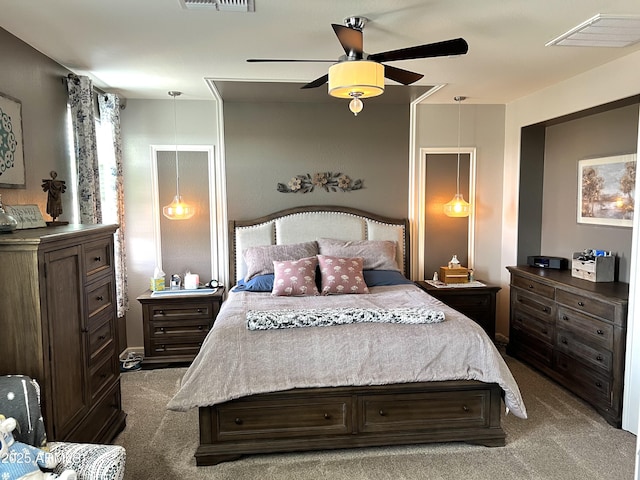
172,346
181,311
170,328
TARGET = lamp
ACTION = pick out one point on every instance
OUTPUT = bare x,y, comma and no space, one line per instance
457,206
356,79
177,209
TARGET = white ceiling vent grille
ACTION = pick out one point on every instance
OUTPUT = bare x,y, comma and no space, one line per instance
602,31
220,5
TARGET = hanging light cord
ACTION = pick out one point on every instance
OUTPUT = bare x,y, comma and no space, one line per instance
175,139
459,100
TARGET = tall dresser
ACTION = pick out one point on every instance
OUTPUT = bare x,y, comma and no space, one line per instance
574,331
58,325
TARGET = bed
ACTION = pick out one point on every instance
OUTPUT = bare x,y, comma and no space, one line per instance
390,366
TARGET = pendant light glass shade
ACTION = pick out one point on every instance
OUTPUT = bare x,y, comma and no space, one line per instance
178,209
457,206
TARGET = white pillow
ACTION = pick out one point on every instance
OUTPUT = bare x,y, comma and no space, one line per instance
260,259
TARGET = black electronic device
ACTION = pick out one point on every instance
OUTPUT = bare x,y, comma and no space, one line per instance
542,261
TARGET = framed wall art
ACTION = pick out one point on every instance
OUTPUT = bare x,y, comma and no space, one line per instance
12,173
606,190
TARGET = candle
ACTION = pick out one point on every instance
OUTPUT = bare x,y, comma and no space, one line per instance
191,281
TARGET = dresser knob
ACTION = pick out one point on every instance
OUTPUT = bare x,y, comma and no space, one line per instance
530,285
99,298
200,327
598,384
97,259
84,330
599,358
238,421
161,329
199,310
465,408
581,304
160,312
564,340
102,337
545,309
545,331
600,332
382,413
564,317
327,416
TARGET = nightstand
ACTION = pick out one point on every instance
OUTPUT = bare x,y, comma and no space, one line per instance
477,303
175,326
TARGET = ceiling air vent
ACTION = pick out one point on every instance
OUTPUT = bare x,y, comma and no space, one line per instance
220,5
602,31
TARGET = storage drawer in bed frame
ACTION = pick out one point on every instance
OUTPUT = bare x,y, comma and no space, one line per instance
343,417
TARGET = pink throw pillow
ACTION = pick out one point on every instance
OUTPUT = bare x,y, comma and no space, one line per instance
295,277
342,275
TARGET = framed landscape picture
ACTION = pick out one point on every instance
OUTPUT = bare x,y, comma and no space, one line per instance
606,190
12,173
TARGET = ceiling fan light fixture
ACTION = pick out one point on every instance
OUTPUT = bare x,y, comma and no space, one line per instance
356,105
362,77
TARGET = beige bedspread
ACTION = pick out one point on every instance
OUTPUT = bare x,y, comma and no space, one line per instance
235,362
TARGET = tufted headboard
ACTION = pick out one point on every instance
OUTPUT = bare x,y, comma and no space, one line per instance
305,224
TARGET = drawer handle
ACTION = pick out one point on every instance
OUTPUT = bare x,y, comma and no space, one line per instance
161,329
103,375
564,317
84,330
238,421
600,332
200,327
199,310
545,331
564,340
98,259
99,298
581,304
102,337
465,408
382,413
599,384
327,416
162,348
160,312
530,285
599,358
545,309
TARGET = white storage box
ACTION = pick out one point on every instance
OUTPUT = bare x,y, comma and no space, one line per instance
600,269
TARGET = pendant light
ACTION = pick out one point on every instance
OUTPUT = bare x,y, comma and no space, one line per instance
457,206
177,209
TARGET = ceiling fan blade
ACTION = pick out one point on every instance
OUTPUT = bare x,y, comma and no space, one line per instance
457,46
404,77
257,60
350,39
318,82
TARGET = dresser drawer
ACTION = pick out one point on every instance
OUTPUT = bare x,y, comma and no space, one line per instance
268,419
533,326
423,411
538,307
533,286
103,375
572,345
585,382
101,336
97,257
529,348
99,297
596,331
166,311
586,304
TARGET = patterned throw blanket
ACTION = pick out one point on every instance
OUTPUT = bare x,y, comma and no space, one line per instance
324,317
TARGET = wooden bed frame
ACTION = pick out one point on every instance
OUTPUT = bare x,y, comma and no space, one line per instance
345,417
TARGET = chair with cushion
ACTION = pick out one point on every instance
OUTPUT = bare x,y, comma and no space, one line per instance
20,399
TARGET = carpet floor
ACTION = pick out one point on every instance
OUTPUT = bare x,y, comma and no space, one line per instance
563,439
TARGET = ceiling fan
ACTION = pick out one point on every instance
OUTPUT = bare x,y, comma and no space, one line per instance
360,75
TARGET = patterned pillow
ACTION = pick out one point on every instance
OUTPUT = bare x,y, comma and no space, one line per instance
295,277
260,259
342,275
377,254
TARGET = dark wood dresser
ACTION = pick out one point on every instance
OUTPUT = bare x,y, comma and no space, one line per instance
175,326
574,331
477,303
58,324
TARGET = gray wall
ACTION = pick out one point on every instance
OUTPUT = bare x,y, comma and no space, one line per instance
601,135
37,82
269,143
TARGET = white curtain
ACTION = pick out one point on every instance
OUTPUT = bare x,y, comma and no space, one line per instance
81,103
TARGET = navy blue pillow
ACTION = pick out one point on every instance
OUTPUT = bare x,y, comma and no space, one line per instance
381,278
259,283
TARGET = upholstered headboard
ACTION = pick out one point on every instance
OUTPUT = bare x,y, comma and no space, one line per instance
305,224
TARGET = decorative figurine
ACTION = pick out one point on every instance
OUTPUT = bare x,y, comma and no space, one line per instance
55,188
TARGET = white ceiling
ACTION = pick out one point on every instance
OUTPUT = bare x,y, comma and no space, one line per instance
144,48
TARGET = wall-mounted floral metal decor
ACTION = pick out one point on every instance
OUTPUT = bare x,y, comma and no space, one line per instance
329,181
